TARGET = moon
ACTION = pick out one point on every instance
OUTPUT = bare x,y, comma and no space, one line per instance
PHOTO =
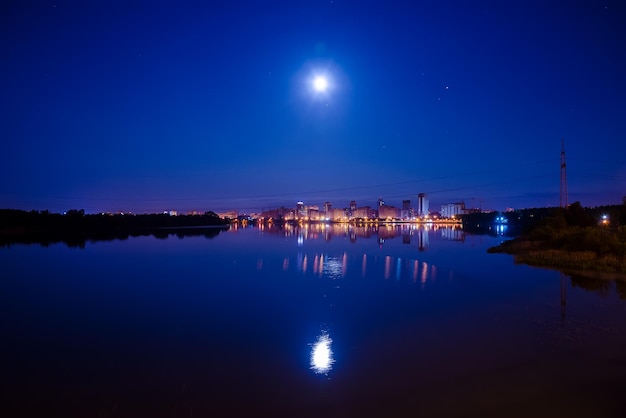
320,83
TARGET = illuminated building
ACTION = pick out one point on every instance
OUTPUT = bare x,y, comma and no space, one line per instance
364,212
327,208
406,212
422,205
270,214
313,213
450,210
301,211
388,212
352,207
230,214
338,214
289,214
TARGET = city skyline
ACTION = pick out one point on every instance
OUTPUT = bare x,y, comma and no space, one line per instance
142,108
331,212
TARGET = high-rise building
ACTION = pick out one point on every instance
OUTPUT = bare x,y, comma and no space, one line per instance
313,214
390,212
338,214
405,213
452,209
381,202
327,207
300,210
363,212
422,205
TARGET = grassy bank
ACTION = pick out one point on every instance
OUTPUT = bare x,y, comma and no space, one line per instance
581,246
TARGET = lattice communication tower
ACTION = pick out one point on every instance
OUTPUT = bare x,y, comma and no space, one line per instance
563,200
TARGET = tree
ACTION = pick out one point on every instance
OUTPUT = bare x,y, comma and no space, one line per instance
575,215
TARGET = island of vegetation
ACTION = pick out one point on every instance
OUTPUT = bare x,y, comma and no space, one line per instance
574,239
74,227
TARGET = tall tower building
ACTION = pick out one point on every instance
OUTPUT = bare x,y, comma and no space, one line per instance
327,207
406,212
300,210
422,205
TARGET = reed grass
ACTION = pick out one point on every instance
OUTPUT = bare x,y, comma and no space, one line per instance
571,247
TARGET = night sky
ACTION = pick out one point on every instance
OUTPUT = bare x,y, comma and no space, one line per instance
152,106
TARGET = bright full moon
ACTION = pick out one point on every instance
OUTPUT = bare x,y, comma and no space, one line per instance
320,83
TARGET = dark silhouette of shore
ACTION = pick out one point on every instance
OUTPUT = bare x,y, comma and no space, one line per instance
75,228
574,239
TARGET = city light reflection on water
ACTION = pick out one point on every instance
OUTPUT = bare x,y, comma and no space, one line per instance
325,266
254,319
314,256
353,232
321,262
501,229
332,267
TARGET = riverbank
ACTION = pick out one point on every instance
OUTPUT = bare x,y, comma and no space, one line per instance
75,228
592,249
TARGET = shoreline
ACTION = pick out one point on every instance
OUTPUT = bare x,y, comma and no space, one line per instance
587,261
75,229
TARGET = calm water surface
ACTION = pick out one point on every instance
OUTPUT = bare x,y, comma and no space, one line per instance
320,321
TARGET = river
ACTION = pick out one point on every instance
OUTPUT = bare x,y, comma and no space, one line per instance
321,320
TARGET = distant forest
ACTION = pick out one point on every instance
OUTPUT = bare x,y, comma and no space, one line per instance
74,228
521,221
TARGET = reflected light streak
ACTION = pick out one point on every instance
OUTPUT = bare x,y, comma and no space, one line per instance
299,262
387,267
316,264
364,265
398,268
322,355
321,265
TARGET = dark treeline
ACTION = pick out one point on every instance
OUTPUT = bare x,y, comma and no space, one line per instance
574,239
523,220
75,228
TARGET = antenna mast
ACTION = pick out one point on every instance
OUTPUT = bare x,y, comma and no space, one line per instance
563,200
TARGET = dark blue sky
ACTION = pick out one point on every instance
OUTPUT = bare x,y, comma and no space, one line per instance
147,106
